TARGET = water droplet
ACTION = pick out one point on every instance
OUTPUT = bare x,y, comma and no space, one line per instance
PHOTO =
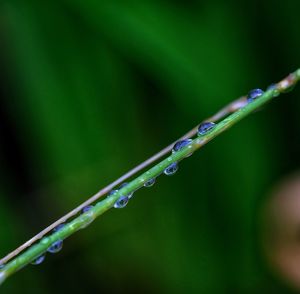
171,169
121,202
55,247
253,94
112,192
180,144
86,208
59,227
124,185
205,127
149,183
89,218
39,260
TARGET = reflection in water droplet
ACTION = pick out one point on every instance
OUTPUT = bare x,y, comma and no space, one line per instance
180,144
205,127
86,208
121,202
59,227
39,260
87,218
55,247
112,192
149,183
171,169
254,94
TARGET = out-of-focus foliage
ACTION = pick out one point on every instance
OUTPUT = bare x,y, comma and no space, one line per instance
92,88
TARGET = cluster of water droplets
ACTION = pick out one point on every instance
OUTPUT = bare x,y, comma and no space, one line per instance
88,216
255,93
123,200
54,248
124,185
170,170
57,245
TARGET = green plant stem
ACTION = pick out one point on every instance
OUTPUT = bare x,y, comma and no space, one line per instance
85,219
228,109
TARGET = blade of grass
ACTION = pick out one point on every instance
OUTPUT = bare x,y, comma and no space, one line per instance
85,219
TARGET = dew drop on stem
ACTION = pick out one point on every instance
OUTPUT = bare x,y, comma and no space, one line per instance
55,247
254,94
171,169
121,202
205,127
150,183
39,260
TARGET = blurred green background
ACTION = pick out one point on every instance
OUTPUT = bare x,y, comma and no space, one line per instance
91,88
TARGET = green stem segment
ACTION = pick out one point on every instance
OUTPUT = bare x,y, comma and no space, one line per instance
85,219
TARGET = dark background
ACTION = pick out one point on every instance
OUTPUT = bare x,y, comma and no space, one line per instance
90,88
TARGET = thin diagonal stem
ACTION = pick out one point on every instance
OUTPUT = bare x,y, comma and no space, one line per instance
230,108
239,109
